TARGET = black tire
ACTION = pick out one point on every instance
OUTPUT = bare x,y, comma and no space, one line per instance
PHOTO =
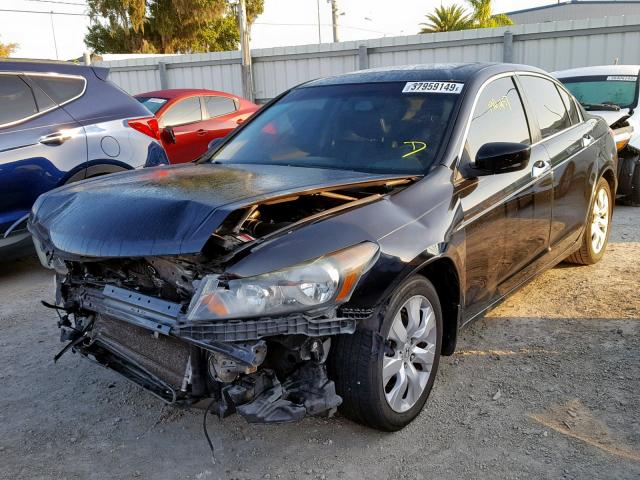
629,181
634,194
355,364
586,255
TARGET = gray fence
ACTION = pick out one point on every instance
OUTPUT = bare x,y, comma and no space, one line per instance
552,46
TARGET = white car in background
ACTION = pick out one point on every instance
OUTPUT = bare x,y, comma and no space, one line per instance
612,92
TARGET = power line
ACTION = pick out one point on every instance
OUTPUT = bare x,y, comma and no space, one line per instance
43,13
58,2
315,25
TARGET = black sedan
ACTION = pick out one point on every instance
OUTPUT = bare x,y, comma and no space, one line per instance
327,253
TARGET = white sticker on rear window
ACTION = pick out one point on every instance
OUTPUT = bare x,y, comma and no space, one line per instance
433,87
622,78
156,100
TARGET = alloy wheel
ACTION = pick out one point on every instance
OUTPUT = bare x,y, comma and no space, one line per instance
410,350
600,221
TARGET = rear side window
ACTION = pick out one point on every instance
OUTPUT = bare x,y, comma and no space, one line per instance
16,100
498,117
153,104
60,89
571,106
546,103
217,106
185,111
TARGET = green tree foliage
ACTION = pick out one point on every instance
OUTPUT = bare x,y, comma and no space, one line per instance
483,18
446,19
6,49
165,26
454,17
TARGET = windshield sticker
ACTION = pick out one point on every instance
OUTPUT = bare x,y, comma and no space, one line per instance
156,100
433,87
416,145
622,78
501,103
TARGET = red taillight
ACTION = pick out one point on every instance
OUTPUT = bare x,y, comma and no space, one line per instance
146,125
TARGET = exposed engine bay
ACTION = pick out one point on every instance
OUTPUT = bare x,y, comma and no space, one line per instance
136,315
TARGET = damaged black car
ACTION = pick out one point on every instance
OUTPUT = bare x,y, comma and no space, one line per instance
326,254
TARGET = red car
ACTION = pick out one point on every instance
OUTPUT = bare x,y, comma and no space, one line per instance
190,118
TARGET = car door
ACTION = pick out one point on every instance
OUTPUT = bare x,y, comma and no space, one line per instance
221,116
183,134
572,151
41,145
506,216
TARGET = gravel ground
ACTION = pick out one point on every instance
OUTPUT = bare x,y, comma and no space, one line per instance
547,385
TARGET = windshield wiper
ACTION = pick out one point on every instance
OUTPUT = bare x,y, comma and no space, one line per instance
601,106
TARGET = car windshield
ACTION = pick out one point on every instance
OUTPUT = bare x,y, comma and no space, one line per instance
617,90
364,127
153,104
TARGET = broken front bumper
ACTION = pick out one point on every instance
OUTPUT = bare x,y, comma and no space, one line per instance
165,318
149,341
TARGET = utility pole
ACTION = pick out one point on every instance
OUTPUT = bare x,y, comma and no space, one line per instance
319,29
53,31
245,51
334,20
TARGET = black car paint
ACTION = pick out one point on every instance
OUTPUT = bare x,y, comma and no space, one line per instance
173,210
479,238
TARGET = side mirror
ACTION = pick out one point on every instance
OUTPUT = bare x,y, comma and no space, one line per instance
168,135
501,157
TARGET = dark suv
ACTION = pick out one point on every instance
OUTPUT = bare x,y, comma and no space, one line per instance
60,123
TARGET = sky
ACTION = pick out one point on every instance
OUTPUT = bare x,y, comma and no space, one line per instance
284,22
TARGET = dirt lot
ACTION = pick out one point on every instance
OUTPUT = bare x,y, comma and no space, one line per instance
545,386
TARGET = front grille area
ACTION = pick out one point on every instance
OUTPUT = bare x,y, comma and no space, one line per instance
255,329
163,356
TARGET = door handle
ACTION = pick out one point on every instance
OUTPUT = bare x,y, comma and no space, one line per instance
57,138
540,167
587,140
240,121
201,132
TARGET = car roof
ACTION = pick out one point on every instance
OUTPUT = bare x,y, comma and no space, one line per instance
455,72
172,93
598,70
41,66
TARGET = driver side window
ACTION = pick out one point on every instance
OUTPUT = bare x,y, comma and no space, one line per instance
498,117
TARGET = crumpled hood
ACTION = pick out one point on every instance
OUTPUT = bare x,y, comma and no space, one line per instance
165,210
609,116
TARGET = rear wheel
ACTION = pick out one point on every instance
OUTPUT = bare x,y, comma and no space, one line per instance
385,377
596,232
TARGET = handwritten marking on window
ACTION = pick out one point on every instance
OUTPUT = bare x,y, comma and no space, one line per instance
417,146
501,103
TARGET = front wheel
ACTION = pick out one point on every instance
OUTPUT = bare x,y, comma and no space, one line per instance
596,232
385,377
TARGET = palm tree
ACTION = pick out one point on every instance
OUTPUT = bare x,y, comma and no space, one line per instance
482,17
446,19
454,17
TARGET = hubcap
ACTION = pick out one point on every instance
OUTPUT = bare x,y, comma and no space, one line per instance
409,353
600,221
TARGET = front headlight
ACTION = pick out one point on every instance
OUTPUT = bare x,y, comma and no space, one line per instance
327,280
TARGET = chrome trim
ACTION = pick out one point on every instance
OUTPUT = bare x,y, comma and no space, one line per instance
57,105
